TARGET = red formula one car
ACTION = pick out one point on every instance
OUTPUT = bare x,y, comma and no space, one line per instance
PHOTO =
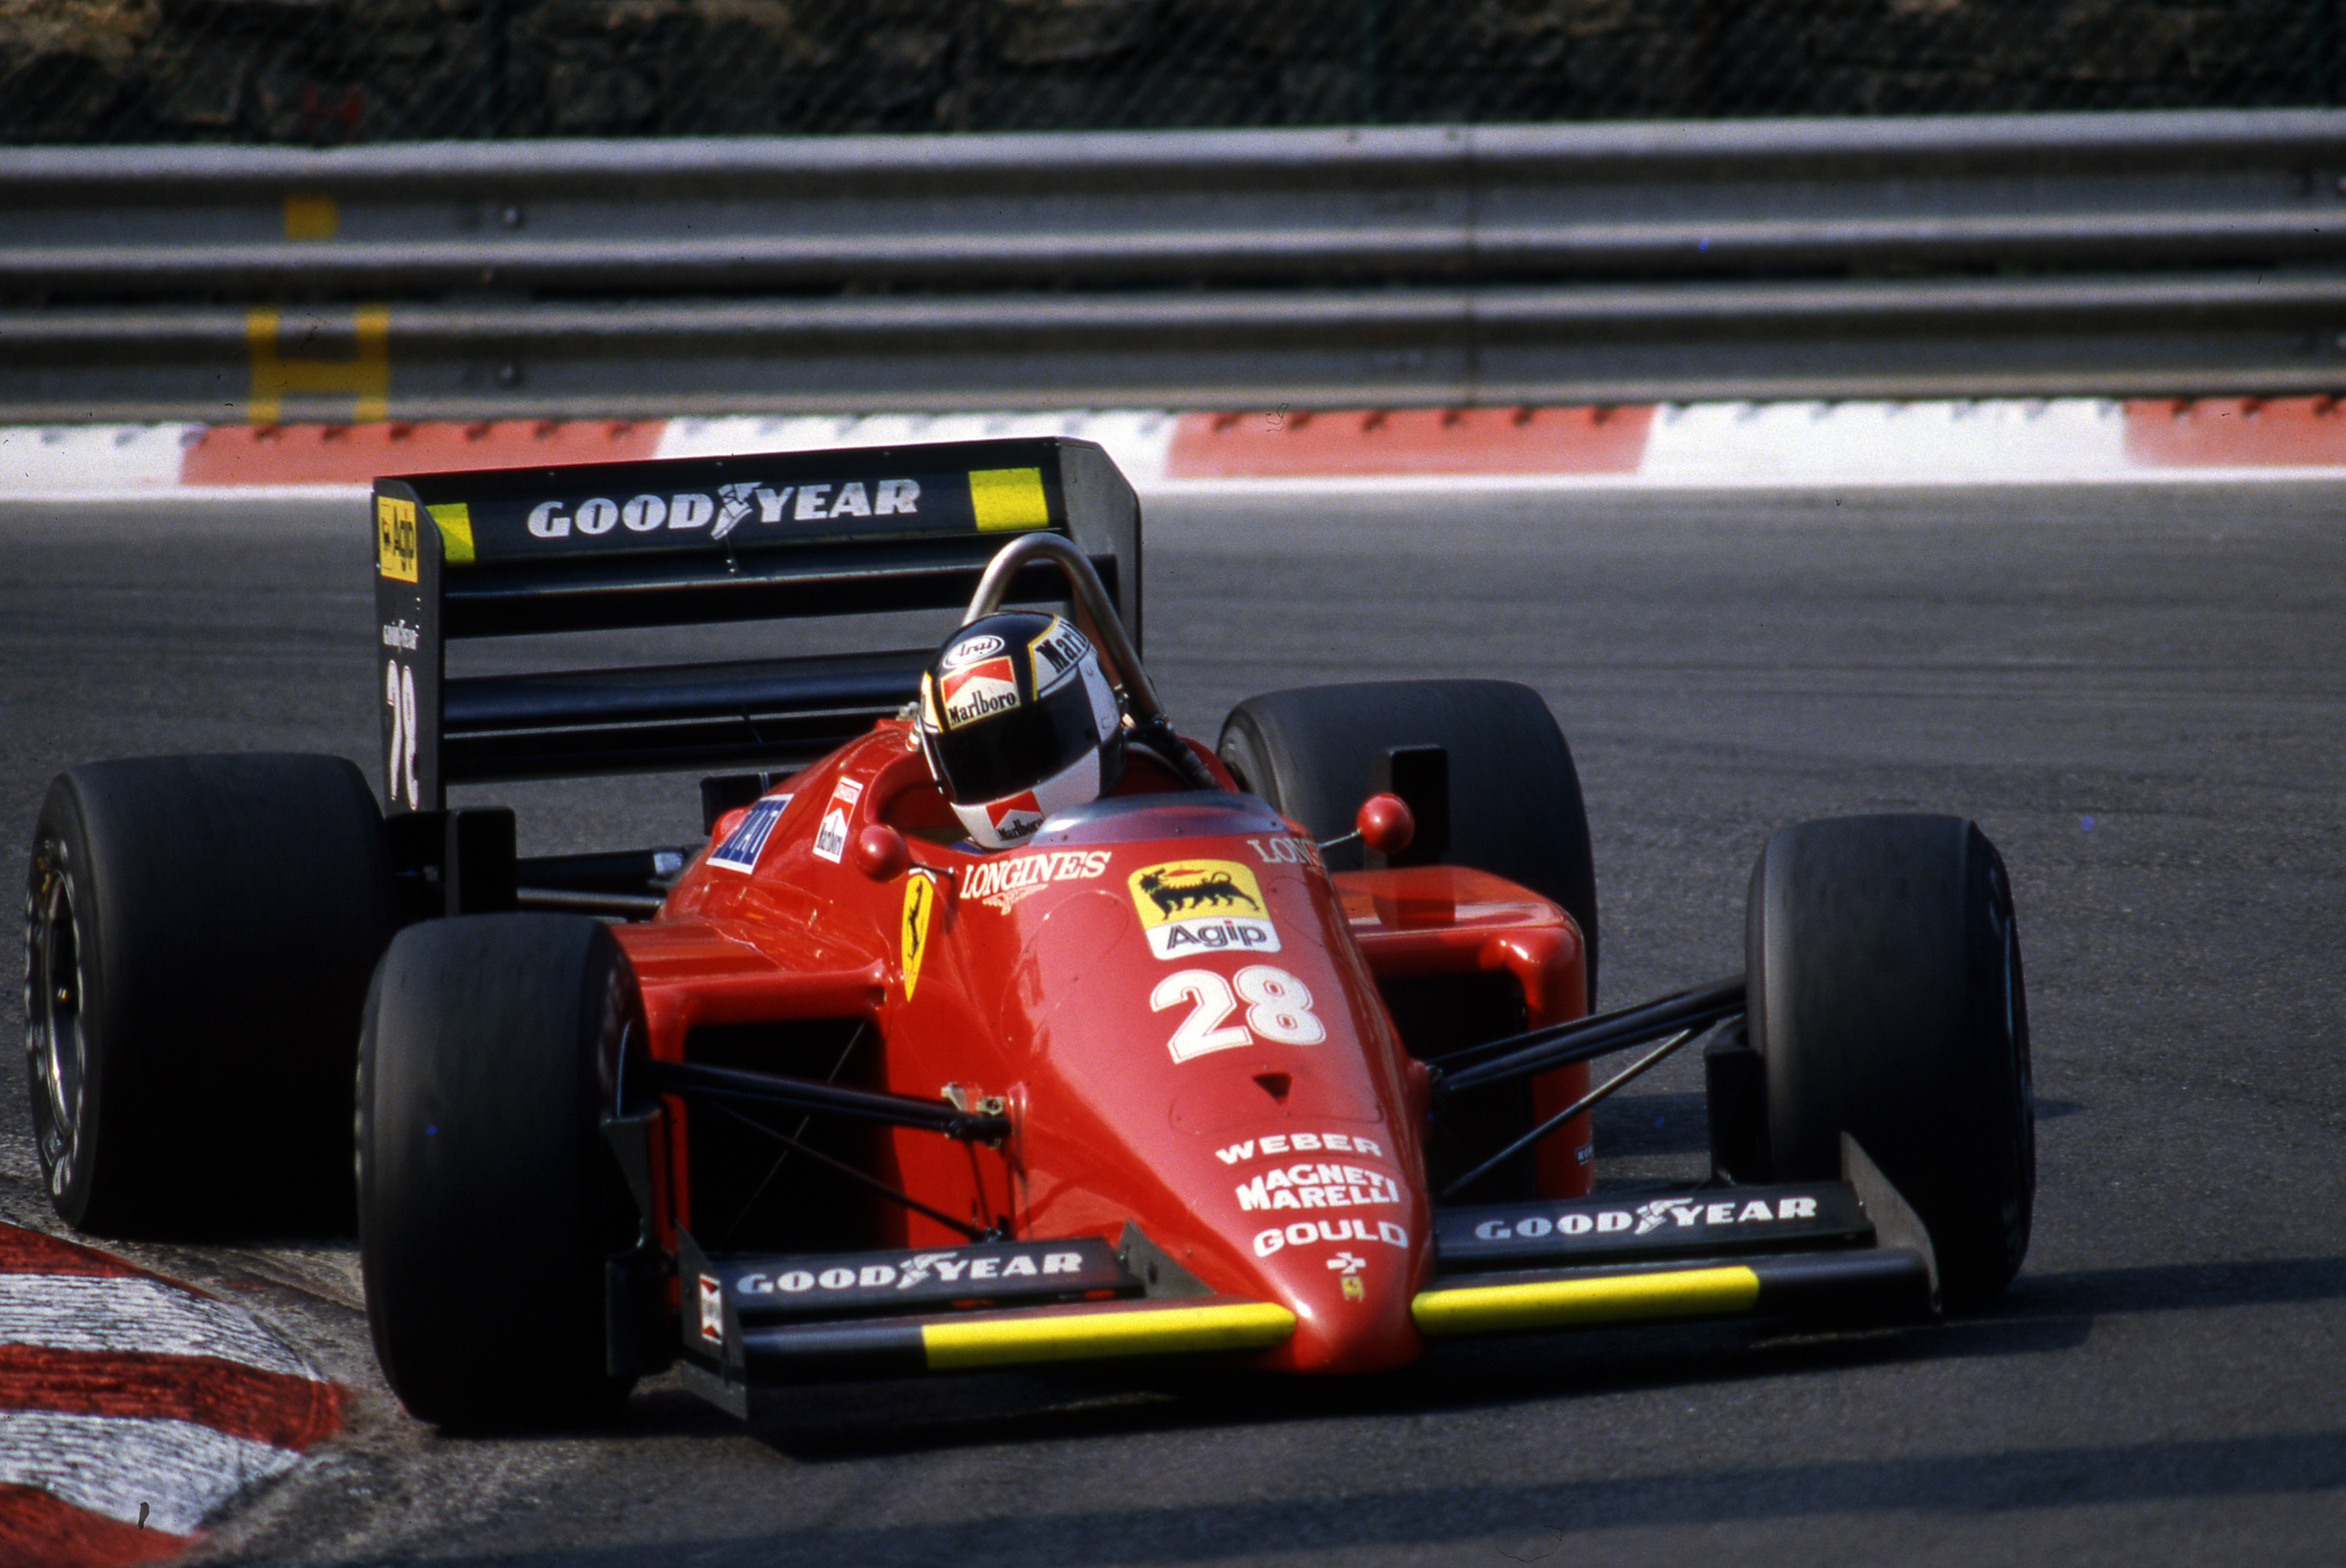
1279,1052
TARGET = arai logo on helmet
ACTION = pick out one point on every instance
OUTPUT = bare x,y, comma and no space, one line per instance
970,650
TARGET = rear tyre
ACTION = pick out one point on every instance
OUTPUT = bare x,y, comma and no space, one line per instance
1514,797
487,1203
198,934
1886,1002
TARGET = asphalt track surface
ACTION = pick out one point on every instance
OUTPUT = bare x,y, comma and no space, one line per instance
2138,692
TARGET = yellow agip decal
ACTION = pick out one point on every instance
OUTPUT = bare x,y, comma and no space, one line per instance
1181,888
1193,909
394,537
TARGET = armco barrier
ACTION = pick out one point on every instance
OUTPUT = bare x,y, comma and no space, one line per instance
1598,343
2130,255
1703,200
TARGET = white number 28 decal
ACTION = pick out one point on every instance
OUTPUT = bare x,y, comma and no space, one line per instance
399,695
1279,1008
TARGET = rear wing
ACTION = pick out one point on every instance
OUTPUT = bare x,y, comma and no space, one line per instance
694,541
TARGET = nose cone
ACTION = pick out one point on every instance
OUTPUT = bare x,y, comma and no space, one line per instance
1349,1280
1325,1219
1208,1060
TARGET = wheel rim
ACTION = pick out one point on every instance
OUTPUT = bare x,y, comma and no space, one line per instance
54,1042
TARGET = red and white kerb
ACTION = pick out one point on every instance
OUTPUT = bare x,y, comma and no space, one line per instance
132,1407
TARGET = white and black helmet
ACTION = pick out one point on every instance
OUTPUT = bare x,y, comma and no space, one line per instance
1018,720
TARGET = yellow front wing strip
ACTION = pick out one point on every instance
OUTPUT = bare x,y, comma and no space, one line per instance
1578,1303
1164,1330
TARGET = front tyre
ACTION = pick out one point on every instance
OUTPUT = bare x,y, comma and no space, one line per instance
1886,1002
1515,811
487,1203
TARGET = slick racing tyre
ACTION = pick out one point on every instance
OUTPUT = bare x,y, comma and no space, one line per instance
198,934
1886,1002
1515,811
487,1203
1514,797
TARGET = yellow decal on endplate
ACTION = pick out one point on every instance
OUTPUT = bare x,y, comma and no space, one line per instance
394,537
1193,908
455,520
1001,499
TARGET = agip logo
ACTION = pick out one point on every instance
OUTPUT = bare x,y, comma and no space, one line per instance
394,537
1189,908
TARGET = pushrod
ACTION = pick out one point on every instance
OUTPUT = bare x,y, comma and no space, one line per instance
1633,1070
1584,1039
801,1094
895,1194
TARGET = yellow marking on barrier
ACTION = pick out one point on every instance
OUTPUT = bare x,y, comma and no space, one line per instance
312,218
455,520
1003,499
1075,1337
365,378
1576,1303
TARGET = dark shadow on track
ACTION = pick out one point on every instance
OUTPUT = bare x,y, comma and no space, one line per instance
1526,1517
2041,1314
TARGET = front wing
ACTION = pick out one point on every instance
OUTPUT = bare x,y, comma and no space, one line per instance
1847,1250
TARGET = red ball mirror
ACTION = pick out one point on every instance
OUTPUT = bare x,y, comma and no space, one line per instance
1385,823
880,852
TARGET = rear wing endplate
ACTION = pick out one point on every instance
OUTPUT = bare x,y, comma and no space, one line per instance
694,541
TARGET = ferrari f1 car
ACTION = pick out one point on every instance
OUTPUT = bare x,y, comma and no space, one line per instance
1284,1057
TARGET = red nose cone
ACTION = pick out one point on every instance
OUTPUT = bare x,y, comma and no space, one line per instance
1351,1294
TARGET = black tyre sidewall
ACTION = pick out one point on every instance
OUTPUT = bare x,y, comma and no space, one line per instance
484,1194
1887,1001
229,909
1516,803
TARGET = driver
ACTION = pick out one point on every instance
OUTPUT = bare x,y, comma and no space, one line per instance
1018,720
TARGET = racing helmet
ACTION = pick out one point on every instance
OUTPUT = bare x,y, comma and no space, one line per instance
1017,721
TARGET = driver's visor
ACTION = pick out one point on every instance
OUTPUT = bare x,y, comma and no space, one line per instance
1005,754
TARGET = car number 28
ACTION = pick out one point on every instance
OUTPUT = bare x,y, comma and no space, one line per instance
399,694
1278,1008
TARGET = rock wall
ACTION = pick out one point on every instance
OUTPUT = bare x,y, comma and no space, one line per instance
330,71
